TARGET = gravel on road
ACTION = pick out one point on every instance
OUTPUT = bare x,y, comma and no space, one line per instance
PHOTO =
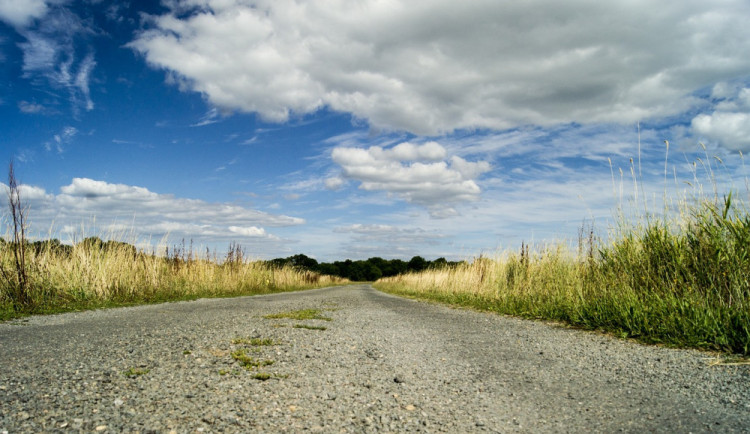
376,363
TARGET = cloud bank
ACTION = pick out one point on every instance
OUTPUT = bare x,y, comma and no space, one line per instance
124,210
416,173
482,64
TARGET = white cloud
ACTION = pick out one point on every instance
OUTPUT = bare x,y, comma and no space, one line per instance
333,183
50,54
19,13
30,107
485,64
729,124
59,140
250,231
730,129
126,209
398,170
211,117
373,239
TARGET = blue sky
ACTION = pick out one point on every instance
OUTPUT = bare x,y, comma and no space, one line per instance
351,129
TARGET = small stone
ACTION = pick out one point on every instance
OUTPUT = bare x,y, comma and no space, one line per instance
119,402
101,427
410,408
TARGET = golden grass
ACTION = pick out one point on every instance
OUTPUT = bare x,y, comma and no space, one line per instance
89,275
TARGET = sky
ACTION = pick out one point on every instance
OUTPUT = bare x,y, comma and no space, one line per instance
352,129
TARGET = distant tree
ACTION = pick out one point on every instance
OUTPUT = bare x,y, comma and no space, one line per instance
92,243
120,247
417,263
329,269
303,261
439,263
372,272
395,267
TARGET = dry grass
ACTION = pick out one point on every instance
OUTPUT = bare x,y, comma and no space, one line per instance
91,275
681,277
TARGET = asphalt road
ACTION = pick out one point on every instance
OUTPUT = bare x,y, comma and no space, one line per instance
382,364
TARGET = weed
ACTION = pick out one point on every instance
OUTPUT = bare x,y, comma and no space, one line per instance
135,372
299,315
186,352
262,376
248,362
309,327
255,342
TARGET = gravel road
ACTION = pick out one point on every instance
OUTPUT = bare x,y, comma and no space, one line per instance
382,364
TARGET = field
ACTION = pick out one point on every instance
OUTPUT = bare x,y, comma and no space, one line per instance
46,277
680,277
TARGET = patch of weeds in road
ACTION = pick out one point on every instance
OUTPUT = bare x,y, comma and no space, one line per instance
255,342
248,362
187,352
309,327
299,315
135,372
262,376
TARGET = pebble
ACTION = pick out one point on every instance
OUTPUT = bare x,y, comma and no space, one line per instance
383,364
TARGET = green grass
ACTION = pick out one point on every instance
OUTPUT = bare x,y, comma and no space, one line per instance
309,327
299,315
255,342
262,376
135,372
248,362
679,277
682,282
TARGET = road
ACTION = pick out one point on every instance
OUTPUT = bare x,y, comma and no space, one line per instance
382,364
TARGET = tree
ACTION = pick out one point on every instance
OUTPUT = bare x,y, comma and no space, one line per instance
417,264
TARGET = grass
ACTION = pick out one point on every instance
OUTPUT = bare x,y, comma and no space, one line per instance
135,372
679,279
248,362
299,315
255,342
87,276
309,327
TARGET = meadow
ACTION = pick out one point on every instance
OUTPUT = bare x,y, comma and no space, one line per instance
50,277
680,277
93,274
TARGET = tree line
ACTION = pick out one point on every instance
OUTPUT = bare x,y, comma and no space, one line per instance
362,270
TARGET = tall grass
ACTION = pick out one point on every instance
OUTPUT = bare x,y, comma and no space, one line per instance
680,279
90,275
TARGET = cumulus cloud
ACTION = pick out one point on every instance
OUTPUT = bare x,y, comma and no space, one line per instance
250,231
19,13
485,64
121,208
729,124
415,173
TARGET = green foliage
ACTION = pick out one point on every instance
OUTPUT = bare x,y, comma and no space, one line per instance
364,270
299,315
